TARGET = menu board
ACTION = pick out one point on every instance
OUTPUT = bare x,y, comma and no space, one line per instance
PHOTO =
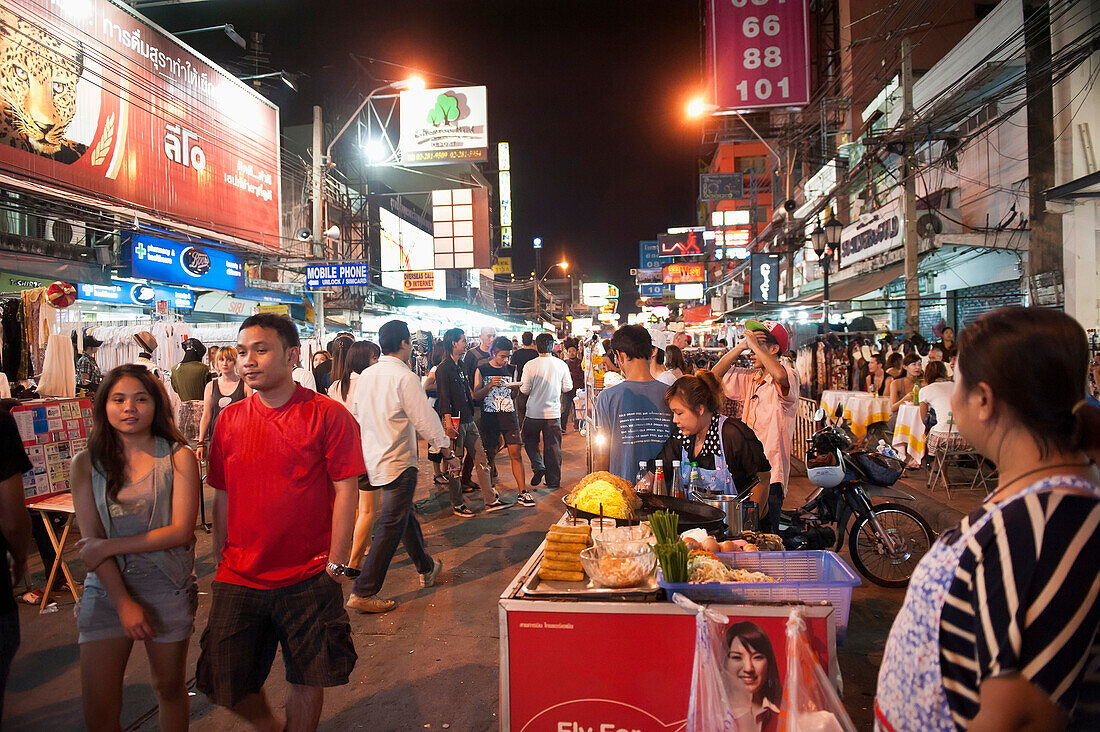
52,430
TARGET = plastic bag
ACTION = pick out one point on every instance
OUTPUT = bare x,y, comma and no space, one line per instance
709,706
810,701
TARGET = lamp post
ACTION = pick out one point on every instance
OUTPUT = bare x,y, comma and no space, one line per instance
825,242
564,268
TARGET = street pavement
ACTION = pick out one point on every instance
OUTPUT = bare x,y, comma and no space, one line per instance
433,662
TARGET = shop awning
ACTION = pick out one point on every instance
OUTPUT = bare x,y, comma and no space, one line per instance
854,287
52,269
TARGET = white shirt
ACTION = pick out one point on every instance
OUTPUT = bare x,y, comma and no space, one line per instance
391,408
545,379
345,399
667,377
304,377
938,396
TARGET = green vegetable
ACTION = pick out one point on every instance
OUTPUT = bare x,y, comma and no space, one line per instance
666,526
674,560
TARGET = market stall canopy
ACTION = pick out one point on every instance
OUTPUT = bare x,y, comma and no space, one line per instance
854,287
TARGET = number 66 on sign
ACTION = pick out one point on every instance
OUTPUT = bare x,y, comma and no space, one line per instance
758,53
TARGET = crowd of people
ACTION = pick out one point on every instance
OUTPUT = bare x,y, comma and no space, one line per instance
312,489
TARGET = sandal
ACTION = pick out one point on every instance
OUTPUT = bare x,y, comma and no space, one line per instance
441,480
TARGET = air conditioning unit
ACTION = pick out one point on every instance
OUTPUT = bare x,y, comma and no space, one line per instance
62,231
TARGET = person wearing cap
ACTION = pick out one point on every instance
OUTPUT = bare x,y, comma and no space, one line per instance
189,378
768,393
148,345
88,374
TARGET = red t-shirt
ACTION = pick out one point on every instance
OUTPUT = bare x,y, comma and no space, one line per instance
277,467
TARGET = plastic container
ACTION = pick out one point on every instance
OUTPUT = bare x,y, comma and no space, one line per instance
808,576
630,569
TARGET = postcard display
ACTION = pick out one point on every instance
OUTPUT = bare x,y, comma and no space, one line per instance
52,430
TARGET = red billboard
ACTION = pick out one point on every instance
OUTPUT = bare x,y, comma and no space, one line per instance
684,273
100,102
758,53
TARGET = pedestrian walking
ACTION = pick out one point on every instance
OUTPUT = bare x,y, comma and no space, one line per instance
226,388
339,349
576,375
392,409
435,457
456,406
520,356
136,494
15,536
545,379
999,625
480,353
284,464
189,379
495,389
768,393
361,356
632,414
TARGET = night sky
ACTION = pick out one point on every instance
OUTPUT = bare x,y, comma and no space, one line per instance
590,95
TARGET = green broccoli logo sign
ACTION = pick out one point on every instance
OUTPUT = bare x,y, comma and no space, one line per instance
445,111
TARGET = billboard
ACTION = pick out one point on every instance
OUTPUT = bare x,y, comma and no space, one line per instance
764,281
444,126
139,294
105,104
408,248
684,273
649,256
871,234
758,53
460,225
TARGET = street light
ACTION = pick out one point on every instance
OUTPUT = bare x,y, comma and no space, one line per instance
227,27
283,76
825,242
565,268
412,83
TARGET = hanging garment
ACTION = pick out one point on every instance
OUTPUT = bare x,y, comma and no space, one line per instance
58,377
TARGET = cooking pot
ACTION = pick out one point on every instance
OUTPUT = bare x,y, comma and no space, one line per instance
729,505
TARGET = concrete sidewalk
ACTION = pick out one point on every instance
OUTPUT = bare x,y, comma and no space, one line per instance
434,660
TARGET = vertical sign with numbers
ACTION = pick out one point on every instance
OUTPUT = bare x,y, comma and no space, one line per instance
758,53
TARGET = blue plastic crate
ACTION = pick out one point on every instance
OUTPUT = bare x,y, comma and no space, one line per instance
805,576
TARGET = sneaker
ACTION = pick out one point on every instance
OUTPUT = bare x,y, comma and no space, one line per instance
470,487
464,512
372,604
525,499
536,477
496,505
428,578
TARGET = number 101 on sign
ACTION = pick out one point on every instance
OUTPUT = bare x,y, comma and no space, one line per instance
758,53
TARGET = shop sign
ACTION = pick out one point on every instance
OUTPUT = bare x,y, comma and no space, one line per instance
764,283
649,275
503,265
140,118
758,53
163,260
684,272
224,304
280,309
721,186
460,229
688,292
446,125
684,243
594,293
609,307
14,283
138,294
337,275
649,255
420,281
650,290
874,233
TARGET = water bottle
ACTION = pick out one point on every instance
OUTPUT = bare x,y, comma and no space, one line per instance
642,483
676,483
884,449
695,483
659,477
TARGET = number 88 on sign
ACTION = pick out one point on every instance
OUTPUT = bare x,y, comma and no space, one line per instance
758,53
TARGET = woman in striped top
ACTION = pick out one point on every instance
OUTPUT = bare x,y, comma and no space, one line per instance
999,626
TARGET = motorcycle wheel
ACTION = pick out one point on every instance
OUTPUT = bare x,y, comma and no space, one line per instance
911,534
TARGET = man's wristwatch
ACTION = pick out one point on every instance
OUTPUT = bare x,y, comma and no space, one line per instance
342,570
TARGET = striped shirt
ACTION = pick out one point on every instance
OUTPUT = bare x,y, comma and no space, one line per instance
1025,601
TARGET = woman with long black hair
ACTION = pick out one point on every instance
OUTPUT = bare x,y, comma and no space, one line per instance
136,493
754,676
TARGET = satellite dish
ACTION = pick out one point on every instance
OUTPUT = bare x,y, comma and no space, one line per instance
303,234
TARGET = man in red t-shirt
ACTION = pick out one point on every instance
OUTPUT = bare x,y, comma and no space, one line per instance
284,464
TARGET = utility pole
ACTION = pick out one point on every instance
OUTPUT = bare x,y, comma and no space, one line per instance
909,196
1045,255
318,220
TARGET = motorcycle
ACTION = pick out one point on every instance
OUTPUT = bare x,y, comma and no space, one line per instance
886,540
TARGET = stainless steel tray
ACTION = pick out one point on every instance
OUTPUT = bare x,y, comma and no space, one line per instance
534,586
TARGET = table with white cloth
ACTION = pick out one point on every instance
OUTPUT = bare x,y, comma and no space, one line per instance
910,434
861,409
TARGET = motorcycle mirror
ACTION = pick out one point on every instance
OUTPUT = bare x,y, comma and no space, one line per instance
819,414
839,414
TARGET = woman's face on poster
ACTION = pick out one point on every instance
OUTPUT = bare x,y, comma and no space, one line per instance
748,666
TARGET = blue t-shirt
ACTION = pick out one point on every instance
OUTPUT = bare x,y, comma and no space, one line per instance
635,419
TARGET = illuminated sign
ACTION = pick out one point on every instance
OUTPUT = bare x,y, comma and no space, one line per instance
680,244
138,294
764,280
444,126
684,272
337,275
504,191
873,233
163,260
688,292
729,218
503,265
407,248
460,220
595,293
649,256
138,118
419,282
